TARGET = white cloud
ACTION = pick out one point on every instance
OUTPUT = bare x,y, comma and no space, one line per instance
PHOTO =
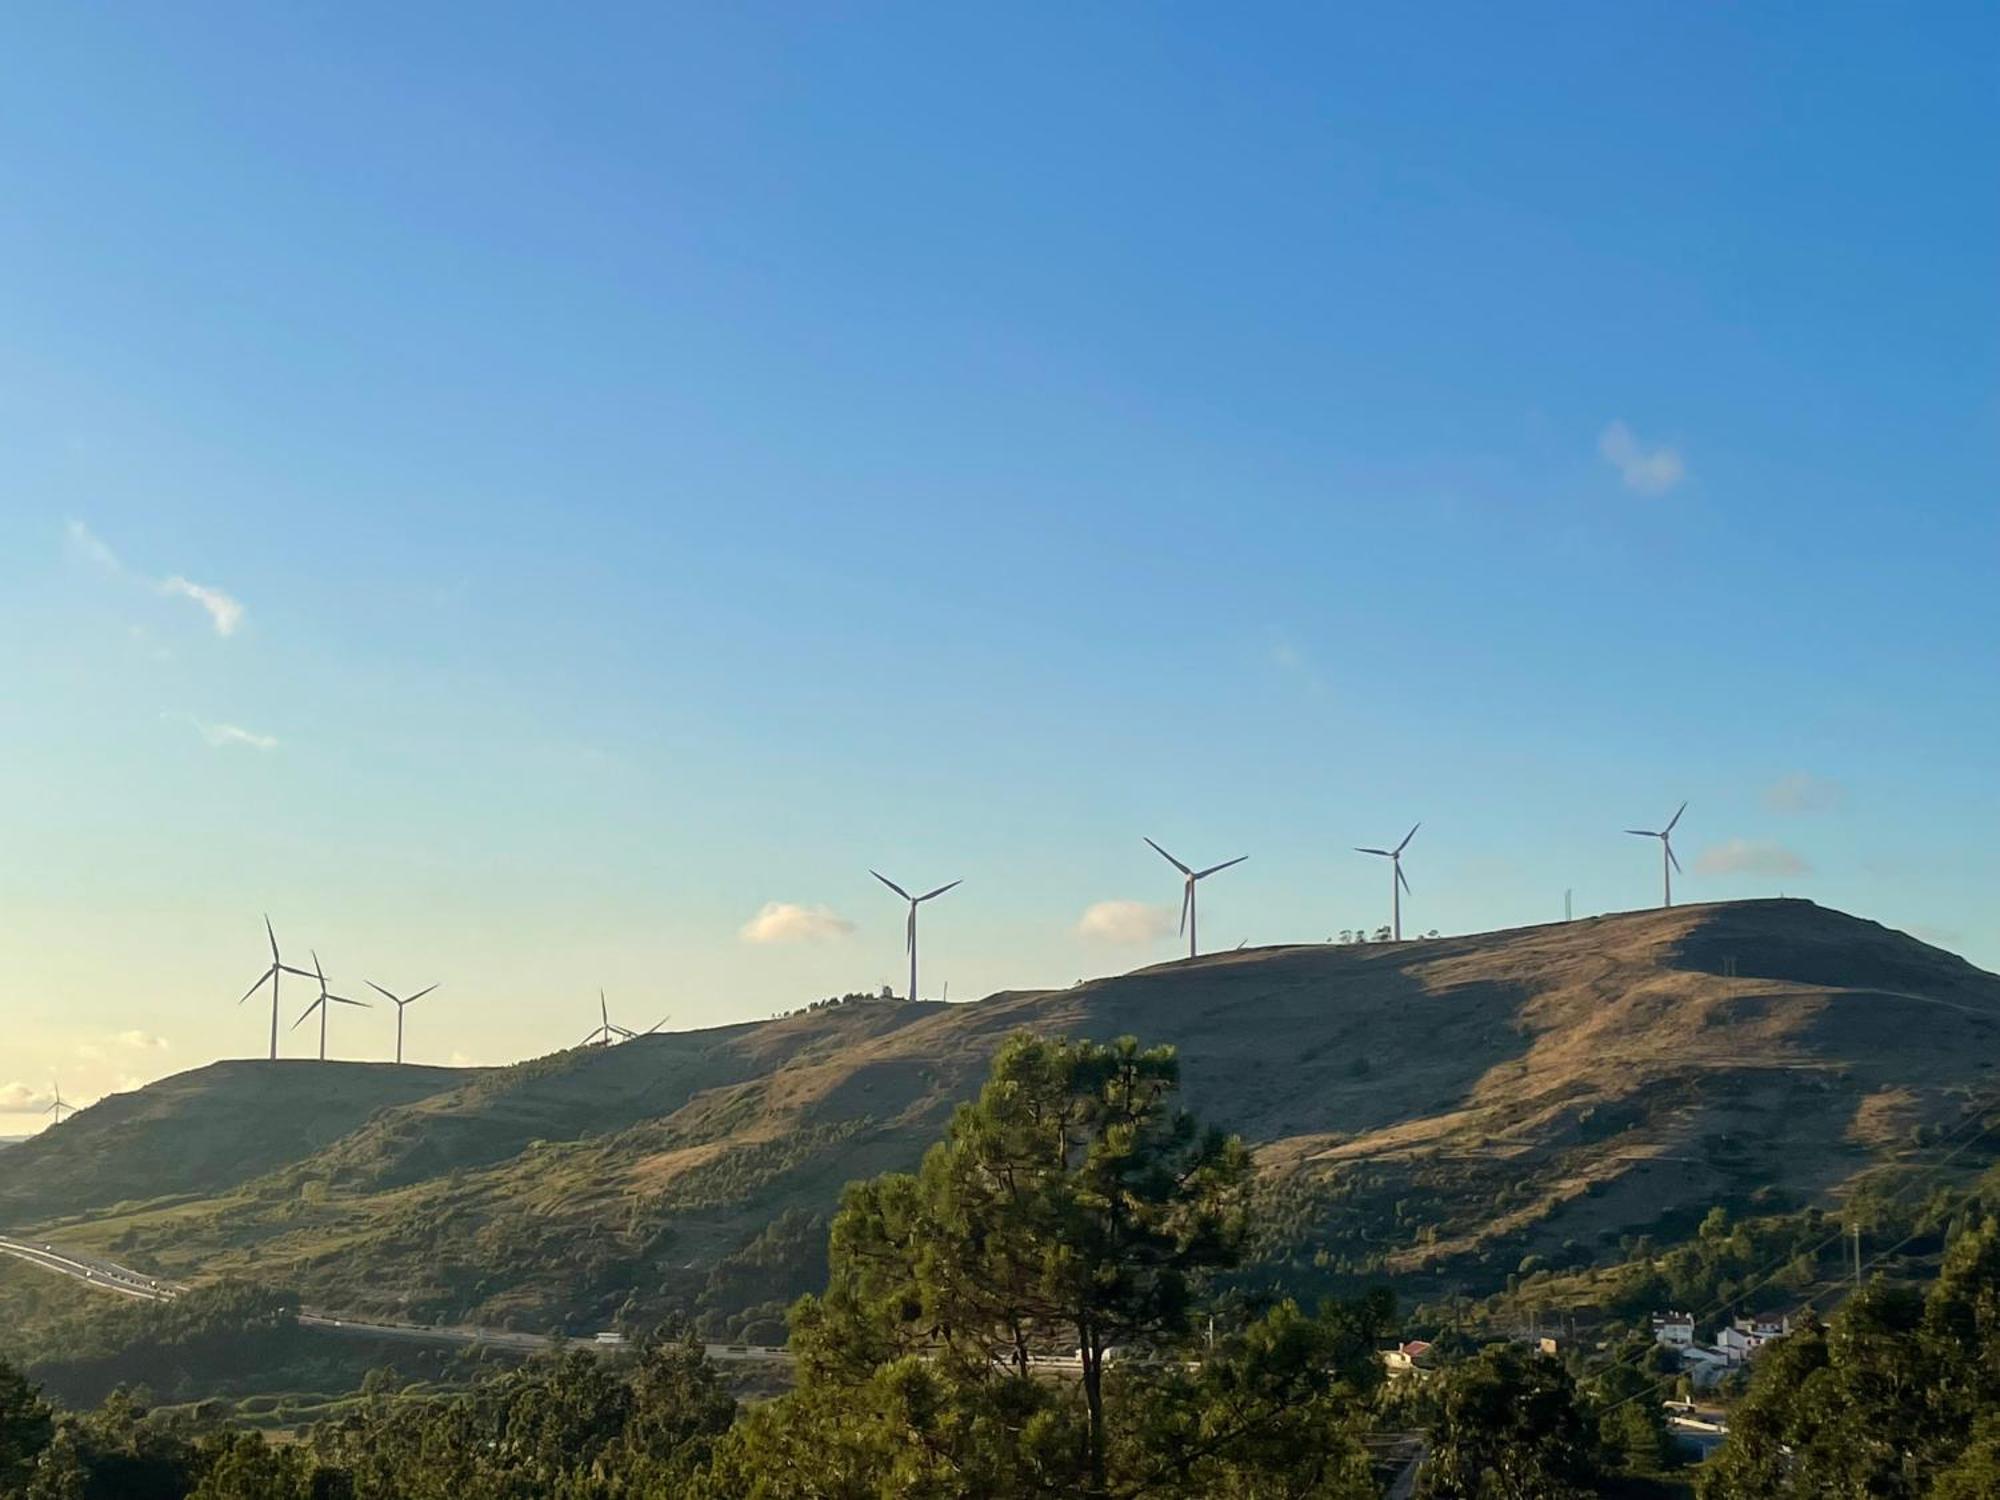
788,922
22,1098
1803,792
224,612
1650,471
89,545
1749,857
143,1041
1124,922
221,736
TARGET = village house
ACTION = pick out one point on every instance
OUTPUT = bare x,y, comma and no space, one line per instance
1407,1359
1674,1329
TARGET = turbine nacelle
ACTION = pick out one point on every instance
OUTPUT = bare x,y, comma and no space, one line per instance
910,922
1190,876
1669,861
1398,881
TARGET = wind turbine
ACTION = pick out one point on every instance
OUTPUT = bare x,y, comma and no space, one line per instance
400,1003
1398,881
326,996
1668,864
910,931
606,1033
1187,889
278,966
59,1109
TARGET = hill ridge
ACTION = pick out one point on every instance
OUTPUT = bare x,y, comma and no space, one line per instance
1436,1107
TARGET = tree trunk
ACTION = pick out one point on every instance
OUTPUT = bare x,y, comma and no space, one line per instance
1092,1355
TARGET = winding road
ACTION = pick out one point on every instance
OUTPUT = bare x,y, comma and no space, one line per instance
108,1276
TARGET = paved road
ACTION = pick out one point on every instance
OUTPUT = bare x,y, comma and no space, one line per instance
110,1277
102,1274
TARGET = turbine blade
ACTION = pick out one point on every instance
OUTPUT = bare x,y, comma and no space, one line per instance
304,1013
941,889
261,979
658,1024
589,1037
890,883
1187,896
1644,833
345,1001
1204,874
1401,878
1407,837
1385,853
1675,818
1170,859
621,1031
272,936
302,973
380,991
418,995
1672,858
910,931
321,973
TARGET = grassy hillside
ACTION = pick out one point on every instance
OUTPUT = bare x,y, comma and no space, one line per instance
199,1132
1427,1111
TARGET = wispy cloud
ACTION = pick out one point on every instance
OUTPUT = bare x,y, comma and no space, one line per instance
1803,792
224,612
1648,470
788,922
1124,922
143,1041
1750,857
222,736
21,1098
88,545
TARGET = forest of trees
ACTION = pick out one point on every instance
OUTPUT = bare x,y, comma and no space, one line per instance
1033,1312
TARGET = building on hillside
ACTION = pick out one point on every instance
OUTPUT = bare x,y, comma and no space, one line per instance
1705,1367
1741,1340
1407,1359
1674,1329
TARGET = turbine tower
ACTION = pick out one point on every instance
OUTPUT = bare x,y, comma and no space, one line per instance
1398,881
910,930
606,1033
278,966
1187,890
59,1109
1668,864
400,1004
320,1004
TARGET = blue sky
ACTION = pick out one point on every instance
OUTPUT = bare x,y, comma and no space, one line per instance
512,497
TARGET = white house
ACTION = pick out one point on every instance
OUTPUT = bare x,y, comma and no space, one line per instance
1674,1329
1745,1336
1412,1358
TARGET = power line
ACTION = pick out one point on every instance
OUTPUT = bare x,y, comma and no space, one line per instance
1974,1117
